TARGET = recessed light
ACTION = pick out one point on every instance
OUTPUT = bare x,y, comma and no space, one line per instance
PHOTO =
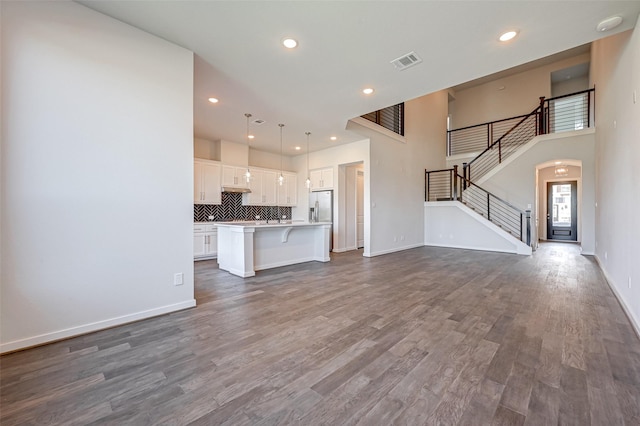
609,23
298,148
333,138
251,137
213,100
289,43
508,35
367,91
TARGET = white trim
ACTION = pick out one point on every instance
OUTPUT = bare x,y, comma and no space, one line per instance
472,248
95,326
635,322
378,128
393,250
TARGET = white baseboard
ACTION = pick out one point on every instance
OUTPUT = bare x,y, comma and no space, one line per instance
635,323
95,326
392,250
497,250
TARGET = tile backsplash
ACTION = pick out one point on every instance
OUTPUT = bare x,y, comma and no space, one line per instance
232,209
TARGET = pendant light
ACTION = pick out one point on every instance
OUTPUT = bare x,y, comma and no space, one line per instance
247,174
308,181
281,178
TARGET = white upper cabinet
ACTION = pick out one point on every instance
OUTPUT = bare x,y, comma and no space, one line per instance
288,191
206,182
322,178
263,188
234,176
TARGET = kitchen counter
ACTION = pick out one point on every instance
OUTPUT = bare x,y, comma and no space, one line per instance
246,247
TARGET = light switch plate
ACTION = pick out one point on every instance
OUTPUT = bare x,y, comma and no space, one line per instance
178,279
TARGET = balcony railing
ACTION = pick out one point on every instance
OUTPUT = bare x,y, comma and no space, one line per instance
559,114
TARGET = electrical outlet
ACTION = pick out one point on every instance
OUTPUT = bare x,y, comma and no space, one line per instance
629,281
178,279
395,239
211,217
605,256
401,237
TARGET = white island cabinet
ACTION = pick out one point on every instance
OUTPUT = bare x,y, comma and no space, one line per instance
246,247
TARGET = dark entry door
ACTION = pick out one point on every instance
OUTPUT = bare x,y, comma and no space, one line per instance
562,211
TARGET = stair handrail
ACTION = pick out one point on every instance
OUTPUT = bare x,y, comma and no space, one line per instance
499,140
468,182
488,124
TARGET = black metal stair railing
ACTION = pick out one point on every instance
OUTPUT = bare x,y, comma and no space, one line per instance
520,134
479,137
499,139
447,184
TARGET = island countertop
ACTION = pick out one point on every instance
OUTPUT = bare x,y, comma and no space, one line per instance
270,224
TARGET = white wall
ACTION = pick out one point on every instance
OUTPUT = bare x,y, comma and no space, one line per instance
515,180
452,224
356,152
235,153
567,87
520,95
209,150
616,74
396,174
97,173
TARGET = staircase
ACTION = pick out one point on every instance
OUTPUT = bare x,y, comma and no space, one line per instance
502,139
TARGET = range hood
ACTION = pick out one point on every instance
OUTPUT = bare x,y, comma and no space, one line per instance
233,189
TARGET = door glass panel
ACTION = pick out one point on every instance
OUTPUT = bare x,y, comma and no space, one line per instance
561,205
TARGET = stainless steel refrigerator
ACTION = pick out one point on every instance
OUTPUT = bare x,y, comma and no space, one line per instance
321,210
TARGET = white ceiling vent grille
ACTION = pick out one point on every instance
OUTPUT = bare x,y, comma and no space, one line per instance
258,121
406,61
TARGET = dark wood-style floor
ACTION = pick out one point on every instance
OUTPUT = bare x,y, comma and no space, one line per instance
425,336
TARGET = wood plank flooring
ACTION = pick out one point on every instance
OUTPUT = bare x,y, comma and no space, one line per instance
428,336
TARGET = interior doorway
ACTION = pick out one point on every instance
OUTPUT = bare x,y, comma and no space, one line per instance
353,202
562,210
360,208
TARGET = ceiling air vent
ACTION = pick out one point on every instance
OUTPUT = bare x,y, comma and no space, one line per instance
258,121
406,61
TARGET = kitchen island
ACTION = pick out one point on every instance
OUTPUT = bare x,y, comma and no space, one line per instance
247,247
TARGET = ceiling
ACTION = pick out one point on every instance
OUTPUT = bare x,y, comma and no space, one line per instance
345,46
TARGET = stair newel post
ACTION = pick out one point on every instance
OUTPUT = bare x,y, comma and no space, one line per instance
455,182
488,206
528,217
541,121
464,175
426,185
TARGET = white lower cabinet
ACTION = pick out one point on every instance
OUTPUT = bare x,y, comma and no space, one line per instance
205,242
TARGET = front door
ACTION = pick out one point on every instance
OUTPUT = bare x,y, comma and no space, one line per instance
562,211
